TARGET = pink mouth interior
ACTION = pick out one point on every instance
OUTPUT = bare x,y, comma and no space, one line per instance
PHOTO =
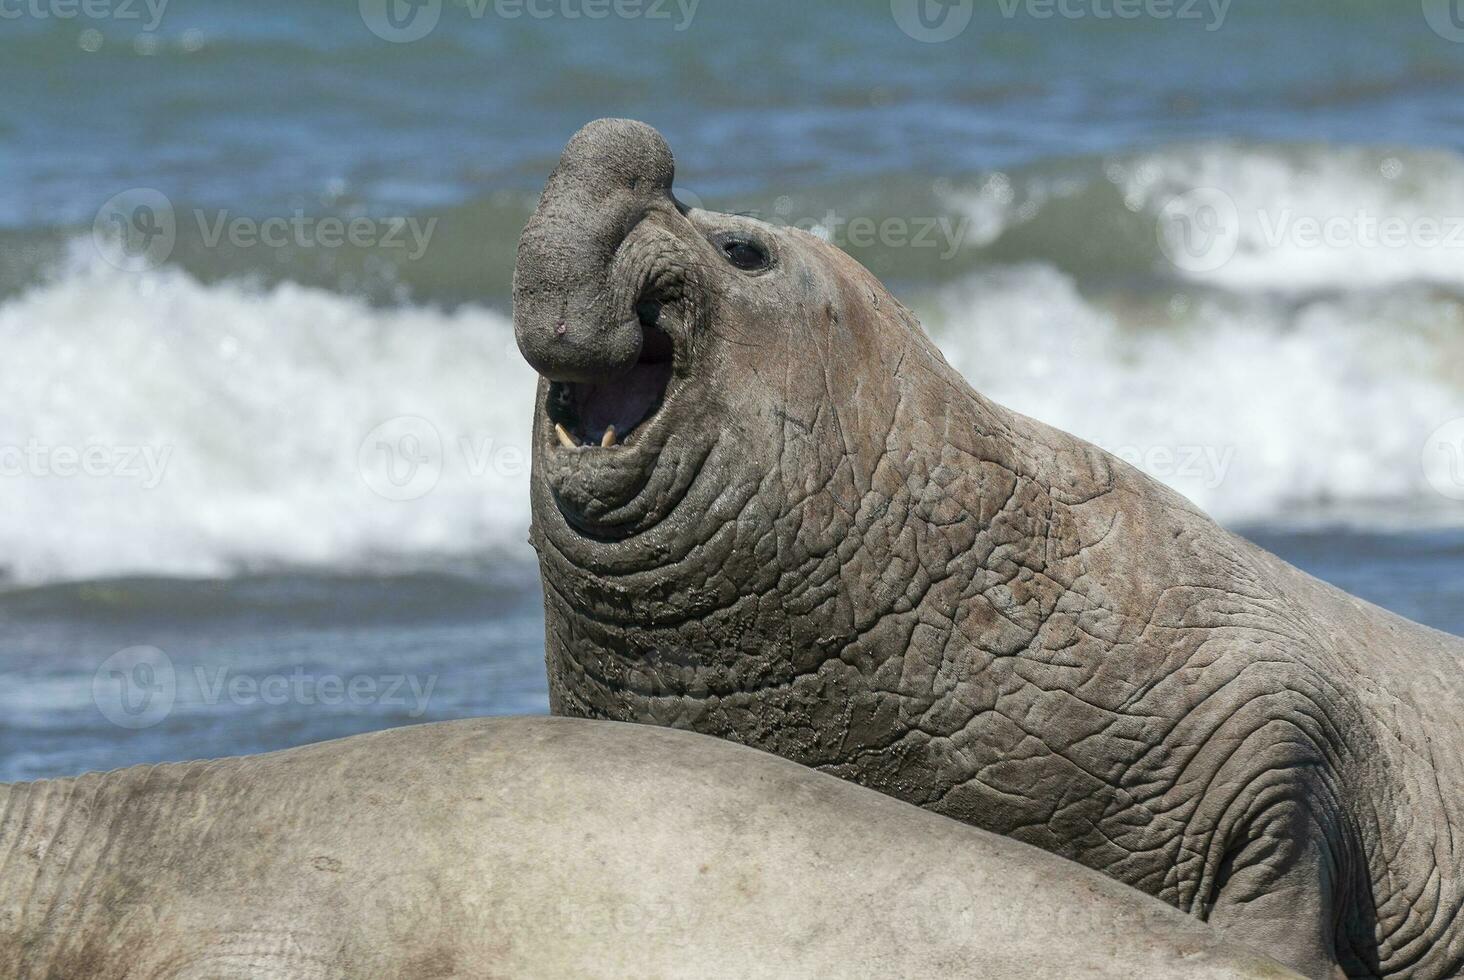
587,410
624,403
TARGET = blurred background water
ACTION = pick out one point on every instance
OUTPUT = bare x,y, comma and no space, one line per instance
264,470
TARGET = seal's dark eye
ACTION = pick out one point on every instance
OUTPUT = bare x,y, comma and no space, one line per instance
745,255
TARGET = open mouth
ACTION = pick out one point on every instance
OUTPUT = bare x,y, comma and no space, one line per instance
607,414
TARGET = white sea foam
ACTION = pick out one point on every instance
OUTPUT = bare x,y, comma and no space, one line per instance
268,407
1286,218
299,426
1300,360
1256,410
1308,218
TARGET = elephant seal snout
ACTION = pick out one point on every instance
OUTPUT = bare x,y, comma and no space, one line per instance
619,292
571,321
821,542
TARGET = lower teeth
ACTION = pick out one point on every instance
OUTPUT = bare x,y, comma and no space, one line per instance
570,442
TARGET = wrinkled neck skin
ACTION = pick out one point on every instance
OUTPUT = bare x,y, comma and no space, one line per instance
757,521
797,594
867,567
813,538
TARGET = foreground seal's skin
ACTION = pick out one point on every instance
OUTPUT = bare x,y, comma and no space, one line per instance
810,535
546,848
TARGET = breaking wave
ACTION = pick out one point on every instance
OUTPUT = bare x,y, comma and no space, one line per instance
228,428
206,422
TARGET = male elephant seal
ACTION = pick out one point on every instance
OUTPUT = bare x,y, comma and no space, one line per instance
808,534
546,848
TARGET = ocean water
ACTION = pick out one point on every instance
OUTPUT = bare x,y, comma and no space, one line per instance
263,482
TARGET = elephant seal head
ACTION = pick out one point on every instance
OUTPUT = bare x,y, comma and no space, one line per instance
794,480
681,351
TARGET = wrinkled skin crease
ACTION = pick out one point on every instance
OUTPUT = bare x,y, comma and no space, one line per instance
859,563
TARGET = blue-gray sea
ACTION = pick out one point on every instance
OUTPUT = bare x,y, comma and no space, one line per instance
263,427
